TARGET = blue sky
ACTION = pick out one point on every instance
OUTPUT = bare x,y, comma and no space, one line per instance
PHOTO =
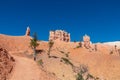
98,18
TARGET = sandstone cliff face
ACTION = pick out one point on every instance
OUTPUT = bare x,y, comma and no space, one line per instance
6,64
59,35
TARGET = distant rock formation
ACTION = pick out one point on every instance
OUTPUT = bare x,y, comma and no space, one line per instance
28,31
86,40
59,35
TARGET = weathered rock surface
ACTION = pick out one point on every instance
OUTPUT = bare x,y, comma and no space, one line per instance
6,64
86,40
28,31
59,35
15,43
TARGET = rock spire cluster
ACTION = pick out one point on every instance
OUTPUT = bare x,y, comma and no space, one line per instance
59,35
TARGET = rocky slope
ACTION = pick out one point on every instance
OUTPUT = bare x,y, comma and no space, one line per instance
6,64
15,43
103,63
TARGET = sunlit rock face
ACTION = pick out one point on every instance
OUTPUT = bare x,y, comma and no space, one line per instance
28,31
86,40
59,35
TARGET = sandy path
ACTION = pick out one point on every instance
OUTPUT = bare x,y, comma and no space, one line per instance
25,69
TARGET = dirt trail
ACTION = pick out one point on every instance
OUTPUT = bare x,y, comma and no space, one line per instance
25,69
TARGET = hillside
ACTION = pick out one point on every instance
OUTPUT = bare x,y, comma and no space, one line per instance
113,43
100,63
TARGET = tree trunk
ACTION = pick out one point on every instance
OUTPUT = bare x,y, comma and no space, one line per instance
34,54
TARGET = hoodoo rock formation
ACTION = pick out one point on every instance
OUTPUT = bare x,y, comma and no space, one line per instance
6,64
86,40
59,35
28,31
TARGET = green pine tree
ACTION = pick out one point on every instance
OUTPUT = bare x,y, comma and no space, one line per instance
34,44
